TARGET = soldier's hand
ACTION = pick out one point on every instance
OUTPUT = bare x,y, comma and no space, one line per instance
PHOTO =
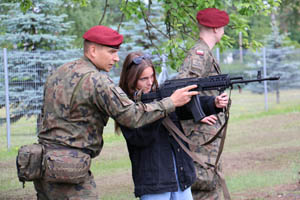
183,95
211,120
221,101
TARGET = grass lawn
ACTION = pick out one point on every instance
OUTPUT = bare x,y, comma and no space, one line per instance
261,151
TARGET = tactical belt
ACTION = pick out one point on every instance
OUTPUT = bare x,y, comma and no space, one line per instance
175,132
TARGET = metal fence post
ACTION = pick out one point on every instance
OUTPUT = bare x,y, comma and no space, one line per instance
6,98
241,46
218,54
265,75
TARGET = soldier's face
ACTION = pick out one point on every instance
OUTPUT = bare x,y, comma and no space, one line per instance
105,57
145,81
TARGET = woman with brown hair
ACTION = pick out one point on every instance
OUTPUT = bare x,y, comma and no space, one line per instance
161,170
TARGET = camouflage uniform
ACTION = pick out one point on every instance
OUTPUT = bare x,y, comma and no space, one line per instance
78,100
201,63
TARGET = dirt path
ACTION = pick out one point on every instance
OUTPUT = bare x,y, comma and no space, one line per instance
269,145
251,145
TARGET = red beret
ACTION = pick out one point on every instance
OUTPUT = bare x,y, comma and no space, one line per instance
104,36
212,17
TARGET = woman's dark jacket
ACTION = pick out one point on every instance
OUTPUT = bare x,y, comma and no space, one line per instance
150,149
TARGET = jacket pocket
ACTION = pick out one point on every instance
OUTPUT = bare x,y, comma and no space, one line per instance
29,162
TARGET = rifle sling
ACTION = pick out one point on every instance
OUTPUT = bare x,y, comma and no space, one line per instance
173,130
220,174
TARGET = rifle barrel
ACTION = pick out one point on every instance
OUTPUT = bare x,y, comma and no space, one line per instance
237,78
256,80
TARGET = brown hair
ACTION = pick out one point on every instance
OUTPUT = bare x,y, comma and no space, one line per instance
130,74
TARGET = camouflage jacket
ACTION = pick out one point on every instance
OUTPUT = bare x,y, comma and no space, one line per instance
200,62
79,99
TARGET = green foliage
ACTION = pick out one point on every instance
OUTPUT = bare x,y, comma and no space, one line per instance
280,61
91,14
27,75
38,28
179,31
25,5
33,32
289,14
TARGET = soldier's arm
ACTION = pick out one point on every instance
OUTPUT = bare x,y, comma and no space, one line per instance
111,100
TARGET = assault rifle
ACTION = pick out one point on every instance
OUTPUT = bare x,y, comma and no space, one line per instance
218,82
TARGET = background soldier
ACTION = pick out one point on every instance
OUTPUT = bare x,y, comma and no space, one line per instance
200,62
78,100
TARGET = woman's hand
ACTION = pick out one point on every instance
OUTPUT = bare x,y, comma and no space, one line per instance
221,101
210,120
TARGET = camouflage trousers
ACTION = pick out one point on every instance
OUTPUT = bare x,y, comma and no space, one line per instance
207,195
61,191
207,185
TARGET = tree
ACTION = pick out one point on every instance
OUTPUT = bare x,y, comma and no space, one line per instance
139,35
179,30
95,12
289,15
281,60
180,26
32,35
38,28
27,4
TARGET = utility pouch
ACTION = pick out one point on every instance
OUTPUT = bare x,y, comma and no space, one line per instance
206,180
29,162
66,166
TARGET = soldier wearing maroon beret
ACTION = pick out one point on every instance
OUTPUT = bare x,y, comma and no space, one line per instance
78,101
200,62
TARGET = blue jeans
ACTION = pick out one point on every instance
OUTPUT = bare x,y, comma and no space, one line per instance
179,195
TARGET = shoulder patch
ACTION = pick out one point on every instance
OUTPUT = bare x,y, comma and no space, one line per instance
200,52
120,91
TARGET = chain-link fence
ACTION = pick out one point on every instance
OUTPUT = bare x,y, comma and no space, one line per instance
27,72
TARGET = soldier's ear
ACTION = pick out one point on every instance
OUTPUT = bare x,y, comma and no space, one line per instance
93,51
214,30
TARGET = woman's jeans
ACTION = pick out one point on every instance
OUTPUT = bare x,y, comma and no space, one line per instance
179,195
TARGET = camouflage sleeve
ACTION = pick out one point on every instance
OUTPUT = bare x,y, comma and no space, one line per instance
197,64
113,101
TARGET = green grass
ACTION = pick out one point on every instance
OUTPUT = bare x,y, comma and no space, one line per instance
120,194
247,105
7,155
275,111
255,179
108,167
243,137
110,138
